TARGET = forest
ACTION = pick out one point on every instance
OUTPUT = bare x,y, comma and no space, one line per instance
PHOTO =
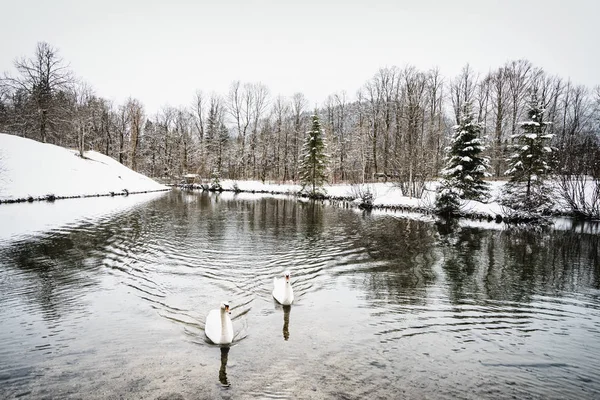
396,127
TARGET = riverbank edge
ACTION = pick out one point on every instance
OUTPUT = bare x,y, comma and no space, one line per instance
344,201
351,202
52,197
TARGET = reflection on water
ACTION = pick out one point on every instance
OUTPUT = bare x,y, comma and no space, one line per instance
385,306
223,368
286,322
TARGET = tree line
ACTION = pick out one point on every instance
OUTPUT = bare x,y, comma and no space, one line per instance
396,127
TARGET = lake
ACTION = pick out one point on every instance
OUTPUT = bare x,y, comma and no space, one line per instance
106,299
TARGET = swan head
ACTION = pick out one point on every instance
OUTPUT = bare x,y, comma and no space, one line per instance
286,274
225,307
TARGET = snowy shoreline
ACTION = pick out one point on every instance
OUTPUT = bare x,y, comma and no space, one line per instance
386,196
31,171
52,197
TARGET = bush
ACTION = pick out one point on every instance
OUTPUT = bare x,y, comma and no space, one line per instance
365,195
216,182
447,201
581,194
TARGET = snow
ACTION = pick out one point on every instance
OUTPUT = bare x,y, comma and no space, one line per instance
452,170
384,194
33,169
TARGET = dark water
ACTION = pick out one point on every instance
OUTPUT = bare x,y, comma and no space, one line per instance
386,306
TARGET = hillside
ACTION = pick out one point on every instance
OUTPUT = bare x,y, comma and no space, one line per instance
34,170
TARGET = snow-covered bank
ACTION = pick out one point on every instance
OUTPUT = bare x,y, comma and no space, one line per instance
388,196
385,196
33,170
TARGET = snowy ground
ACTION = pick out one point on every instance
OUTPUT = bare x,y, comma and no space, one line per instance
33,169
384,194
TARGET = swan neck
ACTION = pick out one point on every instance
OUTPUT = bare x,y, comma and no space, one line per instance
287,292
223,322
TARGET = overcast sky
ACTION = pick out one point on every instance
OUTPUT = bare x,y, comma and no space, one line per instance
162,51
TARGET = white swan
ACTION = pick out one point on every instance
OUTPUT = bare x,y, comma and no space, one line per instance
282,289
218,327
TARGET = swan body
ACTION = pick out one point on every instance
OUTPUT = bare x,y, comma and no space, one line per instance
218,327
282,289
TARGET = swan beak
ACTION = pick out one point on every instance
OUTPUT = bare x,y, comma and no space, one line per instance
227,310
287,278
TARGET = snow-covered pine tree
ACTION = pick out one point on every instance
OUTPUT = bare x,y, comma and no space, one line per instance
529,164
447,200
465,168
314,159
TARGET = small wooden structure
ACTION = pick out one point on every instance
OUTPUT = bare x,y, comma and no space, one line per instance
382,176
190,179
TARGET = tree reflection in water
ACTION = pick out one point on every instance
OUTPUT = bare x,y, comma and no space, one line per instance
516,264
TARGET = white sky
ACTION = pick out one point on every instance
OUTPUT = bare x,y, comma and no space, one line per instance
162,51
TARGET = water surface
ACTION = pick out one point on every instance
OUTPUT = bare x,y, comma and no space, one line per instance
386,306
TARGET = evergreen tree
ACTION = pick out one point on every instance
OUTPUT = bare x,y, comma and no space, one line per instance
314,162
447,202
466,167
529,164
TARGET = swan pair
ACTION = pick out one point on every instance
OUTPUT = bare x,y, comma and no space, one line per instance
219,328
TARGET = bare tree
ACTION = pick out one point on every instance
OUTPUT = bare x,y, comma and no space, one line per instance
338,115
166,119
374,101
239,106
462,90
299,104
260,100
518,76
342,115
198,112
40,78
361,136
281,111
82,117
122,127
216,136
135,116
183,139
412,177
499,112
436,123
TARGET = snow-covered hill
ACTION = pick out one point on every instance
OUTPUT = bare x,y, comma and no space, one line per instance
30,169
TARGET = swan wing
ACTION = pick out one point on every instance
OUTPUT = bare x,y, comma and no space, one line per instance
228,335
213,326
278,289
